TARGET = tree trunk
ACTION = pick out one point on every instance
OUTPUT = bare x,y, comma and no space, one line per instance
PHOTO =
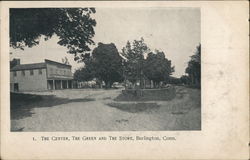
158,84
192,79
154,84
125,82
100,83
108,84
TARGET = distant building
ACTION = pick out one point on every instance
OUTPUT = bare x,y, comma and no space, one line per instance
49,75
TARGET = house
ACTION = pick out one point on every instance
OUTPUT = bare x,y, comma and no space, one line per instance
48,75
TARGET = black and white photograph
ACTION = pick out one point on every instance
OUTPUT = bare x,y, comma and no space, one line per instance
124,80
105,69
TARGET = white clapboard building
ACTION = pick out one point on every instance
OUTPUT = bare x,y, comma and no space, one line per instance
48,75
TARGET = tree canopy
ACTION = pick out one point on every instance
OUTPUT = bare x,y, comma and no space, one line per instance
185,79
194,67
73,26
107,63
134,59
156,67
104,64
65,61
84,74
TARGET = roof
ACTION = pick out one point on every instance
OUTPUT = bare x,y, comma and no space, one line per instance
28,66
57,63
60,78
37,65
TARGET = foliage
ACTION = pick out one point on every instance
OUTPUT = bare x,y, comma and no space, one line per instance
194,67
106,63
73,26
174,80
134,56
157,68
84,74
65,60
185,79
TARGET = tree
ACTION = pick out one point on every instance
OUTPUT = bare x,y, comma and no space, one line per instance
130,63
107,64
73,26
194,67
174,80
185,79
157,68
65,60
84,74
134,59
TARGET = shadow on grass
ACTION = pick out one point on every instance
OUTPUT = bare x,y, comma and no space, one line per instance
22,104
164,94
135,107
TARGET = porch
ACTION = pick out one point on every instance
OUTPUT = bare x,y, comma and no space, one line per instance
59,84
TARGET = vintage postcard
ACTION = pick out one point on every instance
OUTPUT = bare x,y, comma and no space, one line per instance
124,80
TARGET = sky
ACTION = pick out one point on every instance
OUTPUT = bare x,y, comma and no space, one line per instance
175,31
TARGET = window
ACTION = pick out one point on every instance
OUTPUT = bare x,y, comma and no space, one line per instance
31,72
40,71
23,73
15,73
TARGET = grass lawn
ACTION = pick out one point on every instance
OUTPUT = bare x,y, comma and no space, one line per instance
163,94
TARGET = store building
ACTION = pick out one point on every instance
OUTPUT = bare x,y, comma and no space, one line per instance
49,75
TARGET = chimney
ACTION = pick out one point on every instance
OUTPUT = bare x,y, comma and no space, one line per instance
14,62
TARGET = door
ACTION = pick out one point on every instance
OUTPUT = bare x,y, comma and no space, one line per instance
16,88
50,84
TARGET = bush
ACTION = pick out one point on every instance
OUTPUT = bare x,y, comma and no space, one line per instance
147,94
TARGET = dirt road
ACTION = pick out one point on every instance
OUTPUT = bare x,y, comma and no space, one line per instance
96,110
